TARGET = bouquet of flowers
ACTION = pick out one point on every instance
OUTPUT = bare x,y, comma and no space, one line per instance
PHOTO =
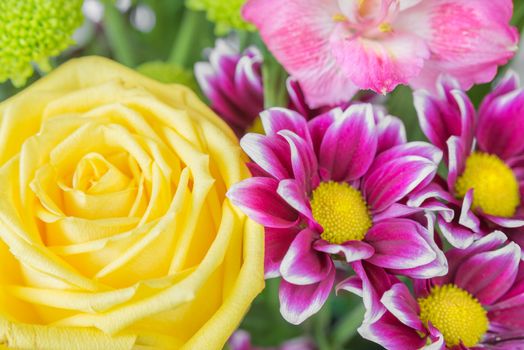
261,174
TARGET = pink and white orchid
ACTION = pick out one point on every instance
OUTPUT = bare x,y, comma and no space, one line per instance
232,81
333,189
335,47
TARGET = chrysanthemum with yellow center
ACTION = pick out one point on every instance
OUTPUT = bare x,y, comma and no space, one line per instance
32,31
455,313
342,212
496,189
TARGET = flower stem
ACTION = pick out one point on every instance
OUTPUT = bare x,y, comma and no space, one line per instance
347,327
185,38
117,34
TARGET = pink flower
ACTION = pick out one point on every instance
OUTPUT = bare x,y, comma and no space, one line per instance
335,47
477,305
241,340
484,186
333,189
232,82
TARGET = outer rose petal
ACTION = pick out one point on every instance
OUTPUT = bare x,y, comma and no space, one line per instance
307,56
381,64
297,303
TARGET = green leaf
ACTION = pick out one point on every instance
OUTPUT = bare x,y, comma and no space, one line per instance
274,78
400,104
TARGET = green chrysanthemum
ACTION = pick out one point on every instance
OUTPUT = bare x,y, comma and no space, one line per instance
224,13
168,73
31,31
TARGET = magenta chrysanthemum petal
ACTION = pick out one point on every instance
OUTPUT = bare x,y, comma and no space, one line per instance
297,303
302,264
232,81
325,178
490,148
488,275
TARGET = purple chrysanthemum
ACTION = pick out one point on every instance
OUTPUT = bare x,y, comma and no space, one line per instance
241,340
476,305
484,187
233,83
335,188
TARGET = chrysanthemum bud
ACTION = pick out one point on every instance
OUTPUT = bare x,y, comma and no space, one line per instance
31,31
224,13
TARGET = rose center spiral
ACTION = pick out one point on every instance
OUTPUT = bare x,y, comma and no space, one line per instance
496,189
341,211
455,313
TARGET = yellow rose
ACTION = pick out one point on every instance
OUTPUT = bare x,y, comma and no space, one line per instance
115,232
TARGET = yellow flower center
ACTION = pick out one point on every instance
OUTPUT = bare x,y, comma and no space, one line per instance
496,190
455,313
385,27
342,212
256,127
